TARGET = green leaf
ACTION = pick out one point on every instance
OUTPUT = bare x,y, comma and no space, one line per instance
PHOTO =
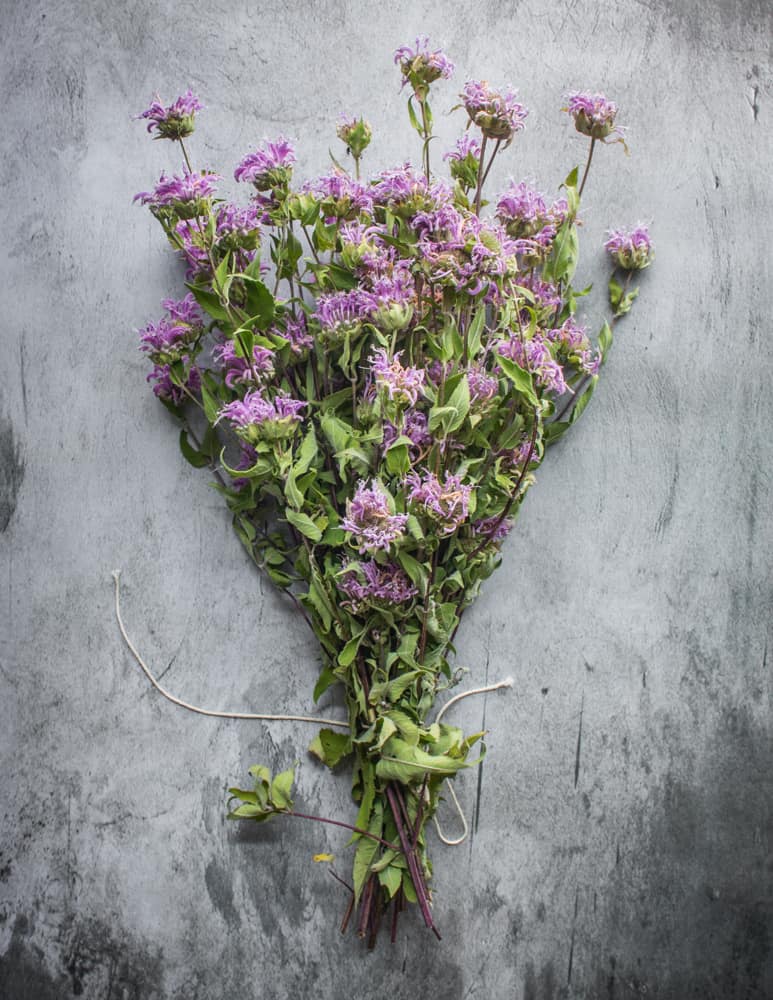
211,407
391,878
605,340
209,302
331,747
260,302
348,653
304,524
325,680
281,787
521,379
196,458
397,457
582,401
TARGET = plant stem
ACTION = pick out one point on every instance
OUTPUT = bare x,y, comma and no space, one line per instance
587,168
413,866
346,826
427,137
185,156
479,188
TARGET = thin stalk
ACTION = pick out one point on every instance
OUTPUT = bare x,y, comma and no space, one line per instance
479,188
413,866
587,168
427,137
346,826
185,156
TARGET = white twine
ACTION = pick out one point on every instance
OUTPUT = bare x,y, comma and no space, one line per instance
265,717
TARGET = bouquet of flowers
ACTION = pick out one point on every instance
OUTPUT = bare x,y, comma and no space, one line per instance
374,369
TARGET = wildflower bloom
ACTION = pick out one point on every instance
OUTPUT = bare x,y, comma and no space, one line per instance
594,115
483,387
269,166
391,300
421,66
174,122
524,212
402,385
171,388
464,161
341,197
187,195
255,417
494,529
498,116
356,133
370,519
238,370
446,503
631,250
341,314
170,338
296,331
414,426
368,582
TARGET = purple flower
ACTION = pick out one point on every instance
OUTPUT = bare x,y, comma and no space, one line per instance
296,331
464,161
247,459
446,503
270,166
546,295
370,519
534,355
341,197
402,385
174,122
341,313
405,192
498,116
171,338
237,369
483,387
465,146
631,250
188,195
593,114
166,387
392,300
255,417
368,583
522,210
415,427
493,529
421,66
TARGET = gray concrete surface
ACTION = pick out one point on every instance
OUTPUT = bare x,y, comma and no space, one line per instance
622,821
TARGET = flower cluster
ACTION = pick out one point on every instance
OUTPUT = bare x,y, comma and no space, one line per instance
269,166
188,194
421,65
175,121
402,385
256,418
594,115
631,250
371,519
447,503
369,583
498,115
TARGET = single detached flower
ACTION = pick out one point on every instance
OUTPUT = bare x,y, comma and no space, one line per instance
402,385
594,115
369,583
371,520
421,66
270,166
631,250
256,418
187,196
497,115
356,133
174,122
447,503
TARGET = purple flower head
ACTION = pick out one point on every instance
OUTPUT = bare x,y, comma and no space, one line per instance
341,197
168,388
405,192
174,122
356,133
247,459
341,314
483,386
270,166
570,335
402,385
368,583
446,503
296,332
523,211
498,115
535,356
493,529
370,519
392,300
593,114
256,418
631,250
421,66
464,161
238,371
172,337
238,228
546,295
187,196
415,427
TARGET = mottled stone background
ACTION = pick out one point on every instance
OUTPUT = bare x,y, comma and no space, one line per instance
622,821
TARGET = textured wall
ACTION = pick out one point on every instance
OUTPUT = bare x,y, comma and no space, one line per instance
622,821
